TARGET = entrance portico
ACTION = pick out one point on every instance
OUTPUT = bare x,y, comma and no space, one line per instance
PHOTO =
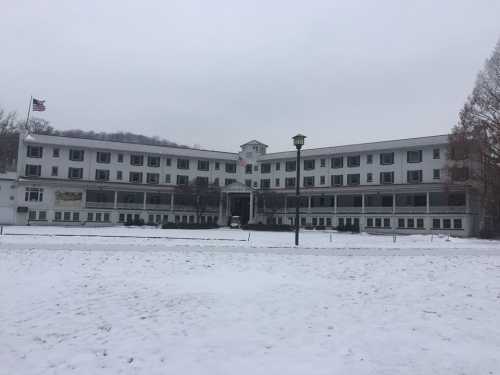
237,199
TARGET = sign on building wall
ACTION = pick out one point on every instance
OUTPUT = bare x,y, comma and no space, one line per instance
68,198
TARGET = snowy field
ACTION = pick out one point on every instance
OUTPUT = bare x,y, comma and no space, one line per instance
153,301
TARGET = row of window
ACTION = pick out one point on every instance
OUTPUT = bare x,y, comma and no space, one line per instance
70,216
386,158
153,161
414,223
412,177
134,177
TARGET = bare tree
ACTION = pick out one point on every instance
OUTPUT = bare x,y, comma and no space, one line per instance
8,123
474,147
200,195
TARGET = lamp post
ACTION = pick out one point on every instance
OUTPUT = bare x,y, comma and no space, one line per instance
298,142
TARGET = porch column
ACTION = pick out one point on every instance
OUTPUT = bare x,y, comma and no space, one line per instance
393,203
362,220
172,202
335,204
363,203
251,207
309,204
227,205
144,201
427,203
285,209
115,200
220,209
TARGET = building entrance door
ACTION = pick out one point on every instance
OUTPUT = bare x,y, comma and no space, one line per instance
240,206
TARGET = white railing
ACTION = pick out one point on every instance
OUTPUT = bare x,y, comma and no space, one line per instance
163,207
130,206
451,209
99,204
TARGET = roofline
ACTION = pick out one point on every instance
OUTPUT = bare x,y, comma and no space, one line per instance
359,144
134,143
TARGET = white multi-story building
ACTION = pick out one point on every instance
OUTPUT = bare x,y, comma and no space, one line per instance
388,186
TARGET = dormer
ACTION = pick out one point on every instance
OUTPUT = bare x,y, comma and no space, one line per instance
253,149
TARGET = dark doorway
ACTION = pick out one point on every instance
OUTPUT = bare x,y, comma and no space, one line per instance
240,206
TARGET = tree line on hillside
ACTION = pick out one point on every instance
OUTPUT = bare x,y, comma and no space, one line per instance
474,146
9,124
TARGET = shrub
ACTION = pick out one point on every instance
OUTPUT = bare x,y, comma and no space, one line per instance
269,227
188,226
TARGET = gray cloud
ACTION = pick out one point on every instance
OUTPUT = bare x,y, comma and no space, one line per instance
218,73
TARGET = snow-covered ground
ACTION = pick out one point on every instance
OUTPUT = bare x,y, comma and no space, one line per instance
223,304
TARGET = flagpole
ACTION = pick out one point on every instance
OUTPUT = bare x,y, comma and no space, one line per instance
29,110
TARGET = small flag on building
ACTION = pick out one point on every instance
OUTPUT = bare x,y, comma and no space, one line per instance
38,105
242,161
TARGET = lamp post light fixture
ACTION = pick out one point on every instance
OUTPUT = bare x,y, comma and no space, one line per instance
298,142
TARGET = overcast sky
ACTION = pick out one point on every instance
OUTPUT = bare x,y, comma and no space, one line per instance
219,73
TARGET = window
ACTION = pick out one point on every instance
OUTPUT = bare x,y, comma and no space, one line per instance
265,183
54,171
337,162
135,177
202,181
98,217
314,221
248,183
387,222
436,153
329,221
369,159
67,216
121,218
420,223
75,173
277,182
265,168
309,165
216,181
182,180
120,158
401,223
353,161
33,170
446,223
248,169
90,216
353,179
436,174
322,163
230,167
153,178
387,158
436,223
414,156
203,165
102,174
255,168
136,159
309,181
278,166
457,223
290,165
169,162
55,153
57,216
167,179
76,216
337,180
414,177
33,195
322,180
369,222
217,165
119,175
229,181
76,155
369,177
290,182
153,161
386,178
34,151
103,157
378,222
410,223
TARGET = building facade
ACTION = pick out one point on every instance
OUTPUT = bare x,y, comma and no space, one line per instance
382,187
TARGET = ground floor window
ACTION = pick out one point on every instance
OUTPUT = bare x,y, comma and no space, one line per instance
457,223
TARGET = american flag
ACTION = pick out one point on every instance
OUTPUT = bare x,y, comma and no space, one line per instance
38,105
242,161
